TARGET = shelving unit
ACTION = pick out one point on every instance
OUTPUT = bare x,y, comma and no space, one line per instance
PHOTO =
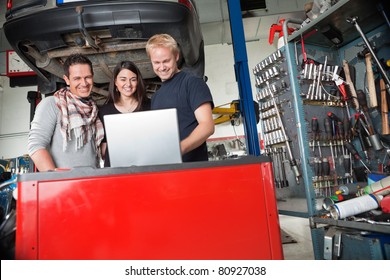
292,95
335,16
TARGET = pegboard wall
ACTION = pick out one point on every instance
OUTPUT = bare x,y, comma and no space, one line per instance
319,135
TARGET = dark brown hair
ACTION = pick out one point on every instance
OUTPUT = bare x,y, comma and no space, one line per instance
76,59
114,94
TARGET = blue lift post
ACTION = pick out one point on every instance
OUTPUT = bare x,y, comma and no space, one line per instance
242,77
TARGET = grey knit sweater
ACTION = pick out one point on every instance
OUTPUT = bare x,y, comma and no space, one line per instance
45,133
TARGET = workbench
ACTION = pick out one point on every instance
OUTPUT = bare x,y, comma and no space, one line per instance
217,210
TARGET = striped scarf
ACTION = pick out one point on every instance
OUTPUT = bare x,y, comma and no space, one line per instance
80,117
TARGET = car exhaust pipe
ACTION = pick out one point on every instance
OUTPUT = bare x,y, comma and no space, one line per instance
83,30
45,62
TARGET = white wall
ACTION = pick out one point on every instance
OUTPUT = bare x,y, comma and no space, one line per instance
15,109
14,119
222,79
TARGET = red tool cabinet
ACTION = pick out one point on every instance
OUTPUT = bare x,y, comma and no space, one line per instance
216,210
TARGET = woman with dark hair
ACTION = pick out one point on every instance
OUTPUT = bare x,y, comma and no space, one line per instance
126,95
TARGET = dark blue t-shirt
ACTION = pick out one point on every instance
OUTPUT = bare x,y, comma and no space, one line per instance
186,93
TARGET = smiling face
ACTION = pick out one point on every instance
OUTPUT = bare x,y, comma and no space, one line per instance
164,62
80,80
126,82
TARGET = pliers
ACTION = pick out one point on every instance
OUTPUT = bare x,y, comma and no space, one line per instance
340,83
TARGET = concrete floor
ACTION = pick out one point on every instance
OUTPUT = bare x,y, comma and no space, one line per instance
297,243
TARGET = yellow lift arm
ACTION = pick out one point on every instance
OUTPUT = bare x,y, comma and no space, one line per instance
233,112
227,114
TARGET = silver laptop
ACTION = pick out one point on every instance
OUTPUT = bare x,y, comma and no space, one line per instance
143,138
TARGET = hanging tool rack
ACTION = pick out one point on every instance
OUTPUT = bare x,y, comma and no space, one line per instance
323,100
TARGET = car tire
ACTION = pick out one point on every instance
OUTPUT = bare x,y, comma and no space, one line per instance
198,69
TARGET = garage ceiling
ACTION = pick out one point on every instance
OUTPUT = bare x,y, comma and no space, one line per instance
215,24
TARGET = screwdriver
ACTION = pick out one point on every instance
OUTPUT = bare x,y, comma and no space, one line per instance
355,154
364,142
329,136
347,129
361,96
326,173
347,138
347,165
340,132
335,127
316,135
317,171
282,159
314,129
333,117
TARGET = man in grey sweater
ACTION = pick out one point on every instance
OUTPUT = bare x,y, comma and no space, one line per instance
66,131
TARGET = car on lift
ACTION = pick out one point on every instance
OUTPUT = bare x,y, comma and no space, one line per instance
44,32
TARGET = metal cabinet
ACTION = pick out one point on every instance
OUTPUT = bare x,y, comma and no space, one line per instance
186,211
320,139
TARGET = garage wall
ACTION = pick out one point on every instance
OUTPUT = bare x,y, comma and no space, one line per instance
15,109
14,119
222,79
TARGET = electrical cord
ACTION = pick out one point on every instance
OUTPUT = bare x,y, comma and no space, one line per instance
238,139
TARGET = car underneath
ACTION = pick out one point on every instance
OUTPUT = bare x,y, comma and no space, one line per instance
107,32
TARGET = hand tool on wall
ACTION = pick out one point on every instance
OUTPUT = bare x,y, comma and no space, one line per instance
347,129
353,20
314,128
347,70
361,96
293,163
282,160
325,166
382,11
281,169
335,140
355,154
329,136
372,135
318,87
318,175
363,135
276,166
347,138
335,129
340,83
347,167
333,117
269,152
341,133
384,109
365,53
316,134
359,130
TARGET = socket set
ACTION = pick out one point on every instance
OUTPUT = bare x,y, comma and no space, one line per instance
277,117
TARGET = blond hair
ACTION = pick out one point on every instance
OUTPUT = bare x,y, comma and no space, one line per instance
162,40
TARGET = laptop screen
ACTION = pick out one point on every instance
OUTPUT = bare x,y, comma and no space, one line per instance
143,138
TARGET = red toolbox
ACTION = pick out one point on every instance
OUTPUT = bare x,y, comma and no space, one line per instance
217,210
